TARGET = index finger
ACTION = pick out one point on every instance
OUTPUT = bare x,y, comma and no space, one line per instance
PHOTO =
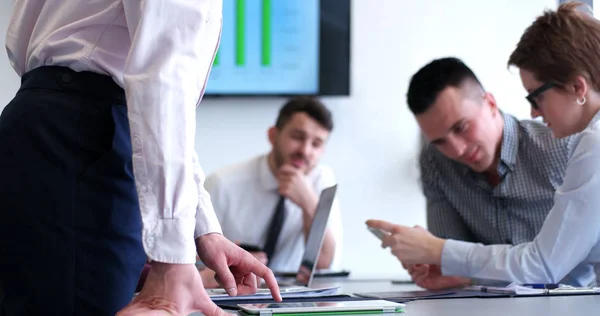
260,270
387,226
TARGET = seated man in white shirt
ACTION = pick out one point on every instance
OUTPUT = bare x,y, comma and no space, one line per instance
247,196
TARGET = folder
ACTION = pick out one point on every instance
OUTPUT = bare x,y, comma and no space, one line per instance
512,290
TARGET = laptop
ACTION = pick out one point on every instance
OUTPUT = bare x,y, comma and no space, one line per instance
314,242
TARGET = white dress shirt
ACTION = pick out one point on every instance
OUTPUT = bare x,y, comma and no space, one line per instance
569,240
245,196
161,53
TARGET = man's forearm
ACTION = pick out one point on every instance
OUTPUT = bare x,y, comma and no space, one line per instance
327,251
306,224
328,248
308,214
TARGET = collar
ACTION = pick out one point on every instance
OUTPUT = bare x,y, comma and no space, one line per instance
509,146
594,120
510,141
267,179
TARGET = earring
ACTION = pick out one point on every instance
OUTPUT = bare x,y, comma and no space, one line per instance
581,101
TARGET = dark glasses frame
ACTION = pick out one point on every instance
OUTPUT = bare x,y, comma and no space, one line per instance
531,97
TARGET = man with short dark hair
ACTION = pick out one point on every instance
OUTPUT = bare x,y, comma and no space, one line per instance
279,191
487,177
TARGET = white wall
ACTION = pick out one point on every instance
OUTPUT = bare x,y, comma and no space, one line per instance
374,145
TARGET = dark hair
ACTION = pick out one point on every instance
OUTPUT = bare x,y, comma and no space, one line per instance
561,44
304,104
429,81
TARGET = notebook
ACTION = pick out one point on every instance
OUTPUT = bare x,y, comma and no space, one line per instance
512,290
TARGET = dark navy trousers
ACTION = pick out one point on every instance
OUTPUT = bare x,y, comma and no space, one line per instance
70,225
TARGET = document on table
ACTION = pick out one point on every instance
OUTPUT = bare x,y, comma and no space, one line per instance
292,292
524,290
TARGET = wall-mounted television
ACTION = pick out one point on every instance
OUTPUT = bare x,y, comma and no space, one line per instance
283,48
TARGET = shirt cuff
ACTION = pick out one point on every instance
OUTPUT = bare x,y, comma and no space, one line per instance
206,221
168,241
454,257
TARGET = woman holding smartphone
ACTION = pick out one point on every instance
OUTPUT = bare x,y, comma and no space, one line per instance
558,58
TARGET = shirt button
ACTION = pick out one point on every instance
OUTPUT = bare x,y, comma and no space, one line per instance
150,241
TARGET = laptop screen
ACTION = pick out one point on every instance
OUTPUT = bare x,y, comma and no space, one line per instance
315,237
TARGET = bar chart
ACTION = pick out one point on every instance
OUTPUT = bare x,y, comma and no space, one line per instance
267,47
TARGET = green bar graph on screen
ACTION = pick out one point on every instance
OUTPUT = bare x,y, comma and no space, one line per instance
216,61
240,36
266,33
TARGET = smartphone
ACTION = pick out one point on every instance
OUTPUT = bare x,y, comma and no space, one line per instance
250,248
378,232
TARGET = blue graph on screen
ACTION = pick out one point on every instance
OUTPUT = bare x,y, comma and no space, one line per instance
267,47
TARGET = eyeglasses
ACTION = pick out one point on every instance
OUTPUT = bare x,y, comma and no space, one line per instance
535,93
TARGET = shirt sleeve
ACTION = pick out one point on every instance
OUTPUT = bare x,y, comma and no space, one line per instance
173,44
206,219
569,233
217,190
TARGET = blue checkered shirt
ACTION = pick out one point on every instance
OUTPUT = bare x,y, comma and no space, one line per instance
462,205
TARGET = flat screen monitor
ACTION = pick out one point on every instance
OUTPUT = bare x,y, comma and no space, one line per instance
282,48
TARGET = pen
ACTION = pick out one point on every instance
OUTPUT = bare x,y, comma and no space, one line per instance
495,290
541,286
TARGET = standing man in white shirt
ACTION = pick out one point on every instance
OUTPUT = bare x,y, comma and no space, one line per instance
101,130
278,192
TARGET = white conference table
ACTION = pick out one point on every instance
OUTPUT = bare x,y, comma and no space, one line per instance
518,306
